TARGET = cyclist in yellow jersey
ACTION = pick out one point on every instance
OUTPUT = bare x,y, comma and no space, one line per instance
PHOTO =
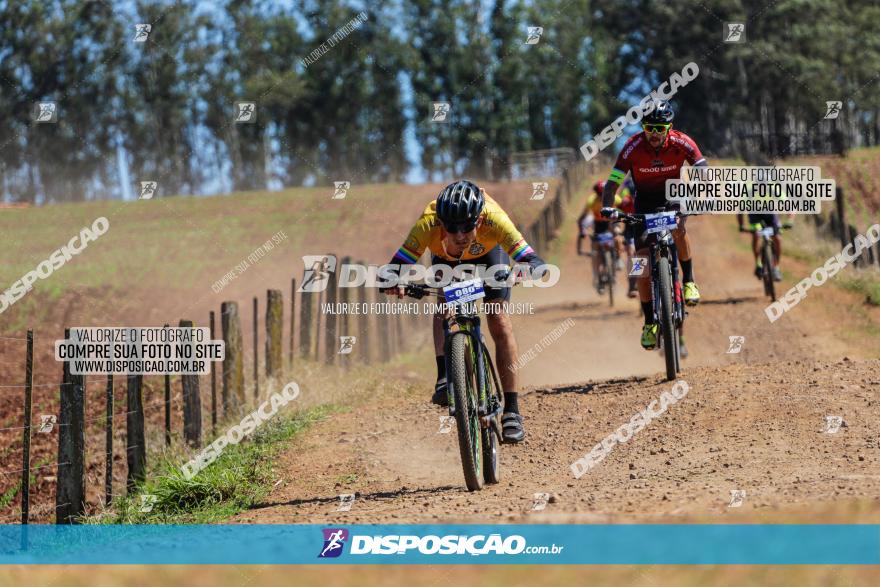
493,228
465,225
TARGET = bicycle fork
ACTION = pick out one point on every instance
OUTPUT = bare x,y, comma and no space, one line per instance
678,312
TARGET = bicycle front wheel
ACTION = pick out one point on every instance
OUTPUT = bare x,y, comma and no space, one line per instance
667,324
490,436
467,419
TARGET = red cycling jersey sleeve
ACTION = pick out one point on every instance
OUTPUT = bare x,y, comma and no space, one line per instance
691,150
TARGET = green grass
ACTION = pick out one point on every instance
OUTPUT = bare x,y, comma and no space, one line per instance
176,247
241,477
349,479
9,495
866,284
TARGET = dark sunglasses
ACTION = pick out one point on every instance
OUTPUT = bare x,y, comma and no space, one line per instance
656,127
459,227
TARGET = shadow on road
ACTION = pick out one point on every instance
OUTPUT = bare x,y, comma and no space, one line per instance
403,491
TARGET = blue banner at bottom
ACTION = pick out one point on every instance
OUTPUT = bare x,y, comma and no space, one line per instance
673,544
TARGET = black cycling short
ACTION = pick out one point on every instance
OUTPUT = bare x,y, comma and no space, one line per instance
767,220
601,226
495,256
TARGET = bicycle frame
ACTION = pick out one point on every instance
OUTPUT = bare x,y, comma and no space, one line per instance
469,324
662,245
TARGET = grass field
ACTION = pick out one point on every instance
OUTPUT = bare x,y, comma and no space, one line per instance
171,248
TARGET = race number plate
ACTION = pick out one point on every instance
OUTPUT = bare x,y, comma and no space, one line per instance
464,291
660,222
604,238
767,231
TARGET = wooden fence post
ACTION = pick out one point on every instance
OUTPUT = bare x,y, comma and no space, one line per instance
384,335
26,438
274,331
305,323
566,182
70,493
136,450
290,351
213,385
398,328
344,325
390,328
319,333
851,233
363,322
233,365
256,352
841,216
108,442
331,342
167,407
548,225
192,404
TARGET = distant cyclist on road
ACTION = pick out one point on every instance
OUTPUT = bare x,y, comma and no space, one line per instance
600,224
652,157
465,226
628,206
755,223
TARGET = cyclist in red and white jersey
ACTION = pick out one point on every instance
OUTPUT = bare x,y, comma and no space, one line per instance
651,157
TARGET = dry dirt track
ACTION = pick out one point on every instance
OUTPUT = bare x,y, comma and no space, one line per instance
753,421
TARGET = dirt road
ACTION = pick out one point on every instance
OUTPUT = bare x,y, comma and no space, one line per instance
753,422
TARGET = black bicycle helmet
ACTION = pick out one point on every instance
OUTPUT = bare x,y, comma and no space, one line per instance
460,202
661,114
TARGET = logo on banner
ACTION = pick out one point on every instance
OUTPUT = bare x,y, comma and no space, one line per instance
334,540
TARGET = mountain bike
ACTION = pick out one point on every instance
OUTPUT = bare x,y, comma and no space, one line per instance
669,310
767,257
475,398
607,251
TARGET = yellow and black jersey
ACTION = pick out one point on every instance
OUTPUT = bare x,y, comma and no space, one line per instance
495,229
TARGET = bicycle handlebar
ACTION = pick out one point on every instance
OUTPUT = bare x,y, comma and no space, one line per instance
420,290
640,218
756,230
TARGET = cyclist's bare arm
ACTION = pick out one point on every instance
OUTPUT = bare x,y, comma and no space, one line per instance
409,252
609,192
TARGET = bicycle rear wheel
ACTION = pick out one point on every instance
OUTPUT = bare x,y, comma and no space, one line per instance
667,324
467,420
767,260
609,272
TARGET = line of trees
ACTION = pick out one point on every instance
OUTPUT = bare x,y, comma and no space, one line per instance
163,109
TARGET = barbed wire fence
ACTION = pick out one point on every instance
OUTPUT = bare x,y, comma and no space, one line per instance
82,420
